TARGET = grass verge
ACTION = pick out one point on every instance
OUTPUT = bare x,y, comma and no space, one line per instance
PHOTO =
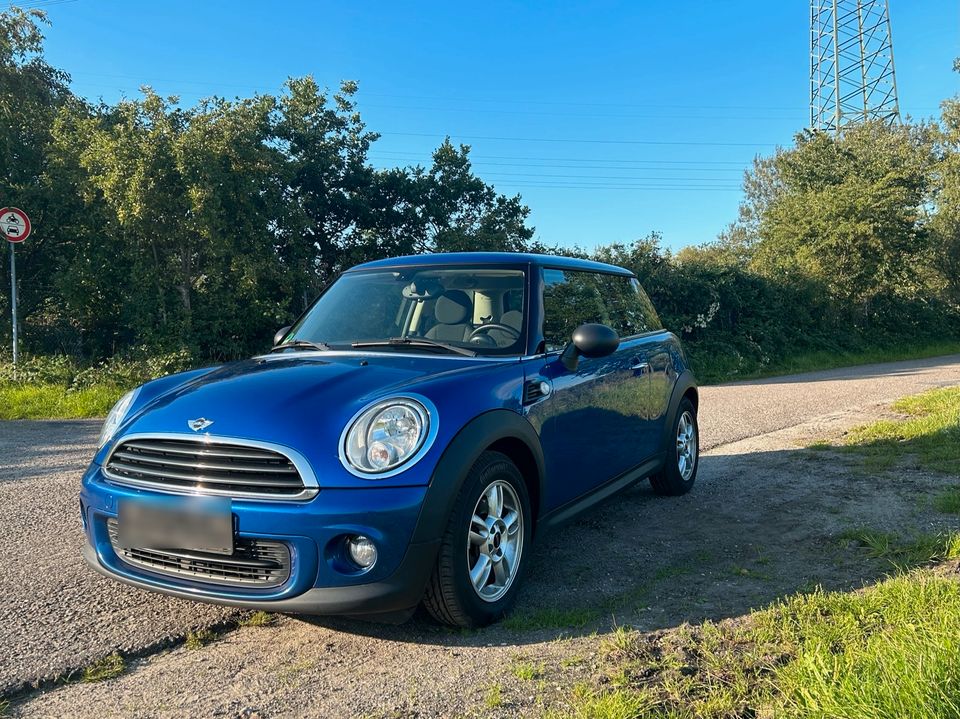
928,435
904,553
51,401
885,652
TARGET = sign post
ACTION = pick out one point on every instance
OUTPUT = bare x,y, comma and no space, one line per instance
16,228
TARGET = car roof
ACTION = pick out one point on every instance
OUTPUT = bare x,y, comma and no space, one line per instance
494,258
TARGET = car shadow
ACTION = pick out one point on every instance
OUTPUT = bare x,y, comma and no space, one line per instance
756,528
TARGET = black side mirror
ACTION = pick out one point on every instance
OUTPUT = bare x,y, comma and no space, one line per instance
281,333
589,340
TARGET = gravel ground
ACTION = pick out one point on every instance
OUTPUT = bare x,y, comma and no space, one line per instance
57,614
672,561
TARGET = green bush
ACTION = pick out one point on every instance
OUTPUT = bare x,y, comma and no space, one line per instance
71,374
61,387
736,322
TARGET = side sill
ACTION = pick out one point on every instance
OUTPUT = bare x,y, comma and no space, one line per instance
587,501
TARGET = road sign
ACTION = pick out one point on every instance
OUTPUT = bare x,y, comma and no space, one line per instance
15,224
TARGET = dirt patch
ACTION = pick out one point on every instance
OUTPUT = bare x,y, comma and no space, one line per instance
766,519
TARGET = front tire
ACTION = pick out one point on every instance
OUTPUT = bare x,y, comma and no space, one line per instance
483,549
682,456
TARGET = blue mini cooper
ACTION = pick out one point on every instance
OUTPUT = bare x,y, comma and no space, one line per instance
404,442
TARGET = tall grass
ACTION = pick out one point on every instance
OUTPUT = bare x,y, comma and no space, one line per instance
60,387
929,434
46,401
887,652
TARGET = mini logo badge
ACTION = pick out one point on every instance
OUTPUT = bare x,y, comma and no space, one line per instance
197,424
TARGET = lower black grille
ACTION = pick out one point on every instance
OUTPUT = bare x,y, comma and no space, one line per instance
254,562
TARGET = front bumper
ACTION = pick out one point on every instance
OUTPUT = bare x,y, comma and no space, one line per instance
318,582
399,593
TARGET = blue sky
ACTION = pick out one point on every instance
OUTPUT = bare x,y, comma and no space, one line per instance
589,110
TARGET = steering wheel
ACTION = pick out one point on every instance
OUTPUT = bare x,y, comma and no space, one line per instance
515,333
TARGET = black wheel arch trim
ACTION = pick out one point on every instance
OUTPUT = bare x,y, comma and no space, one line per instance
466,447
685,382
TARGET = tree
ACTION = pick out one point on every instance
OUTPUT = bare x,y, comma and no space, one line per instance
945,224
233,175
130,157
849,211
328,181
31,93
461,213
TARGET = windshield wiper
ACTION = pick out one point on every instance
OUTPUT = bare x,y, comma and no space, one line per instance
301,344
414,342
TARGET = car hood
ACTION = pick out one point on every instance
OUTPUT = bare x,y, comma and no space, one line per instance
303,400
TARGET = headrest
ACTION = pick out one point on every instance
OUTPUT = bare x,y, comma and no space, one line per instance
452,307
513,318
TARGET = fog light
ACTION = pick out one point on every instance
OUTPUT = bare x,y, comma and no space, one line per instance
362,551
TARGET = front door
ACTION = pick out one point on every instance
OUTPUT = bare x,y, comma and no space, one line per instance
599,421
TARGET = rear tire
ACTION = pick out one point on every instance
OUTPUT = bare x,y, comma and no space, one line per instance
682,459
482,553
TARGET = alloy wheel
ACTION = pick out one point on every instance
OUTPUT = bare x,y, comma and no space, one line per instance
495,541
686,446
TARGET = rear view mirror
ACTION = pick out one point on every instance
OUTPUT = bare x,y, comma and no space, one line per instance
590,340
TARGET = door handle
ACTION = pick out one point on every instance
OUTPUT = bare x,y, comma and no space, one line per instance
639,366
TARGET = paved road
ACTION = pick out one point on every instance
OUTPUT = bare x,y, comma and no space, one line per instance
57,615
738,410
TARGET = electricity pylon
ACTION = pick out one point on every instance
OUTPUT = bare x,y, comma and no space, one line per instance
851,64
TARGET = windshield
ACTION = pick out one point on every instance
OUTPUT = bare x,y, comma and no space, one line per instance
428,309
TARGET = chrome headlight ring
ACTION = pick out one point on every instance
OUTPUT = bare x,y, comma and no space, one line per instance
384,427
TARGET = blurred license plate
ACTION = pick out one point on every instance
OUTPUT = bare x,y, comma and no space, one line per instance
201,524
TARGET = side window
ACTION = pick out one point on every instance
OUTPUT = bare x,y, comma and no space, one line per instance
571,299
631,311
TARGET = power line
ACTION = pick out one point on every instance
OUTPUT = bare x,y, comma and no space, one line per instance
457,100
460,100
710,180
571,159
38,4
582,140
605,115
483,163
651,188
688,143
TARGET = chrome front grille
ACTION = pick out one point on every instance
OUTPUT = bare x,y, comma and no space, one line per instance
207,467
254,562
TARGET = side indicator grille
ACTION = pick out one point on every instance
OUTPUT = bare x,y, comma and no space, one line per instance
535,390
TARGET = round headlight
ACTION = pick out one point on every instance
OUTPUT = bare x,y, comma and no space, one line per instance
116,416
385,435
